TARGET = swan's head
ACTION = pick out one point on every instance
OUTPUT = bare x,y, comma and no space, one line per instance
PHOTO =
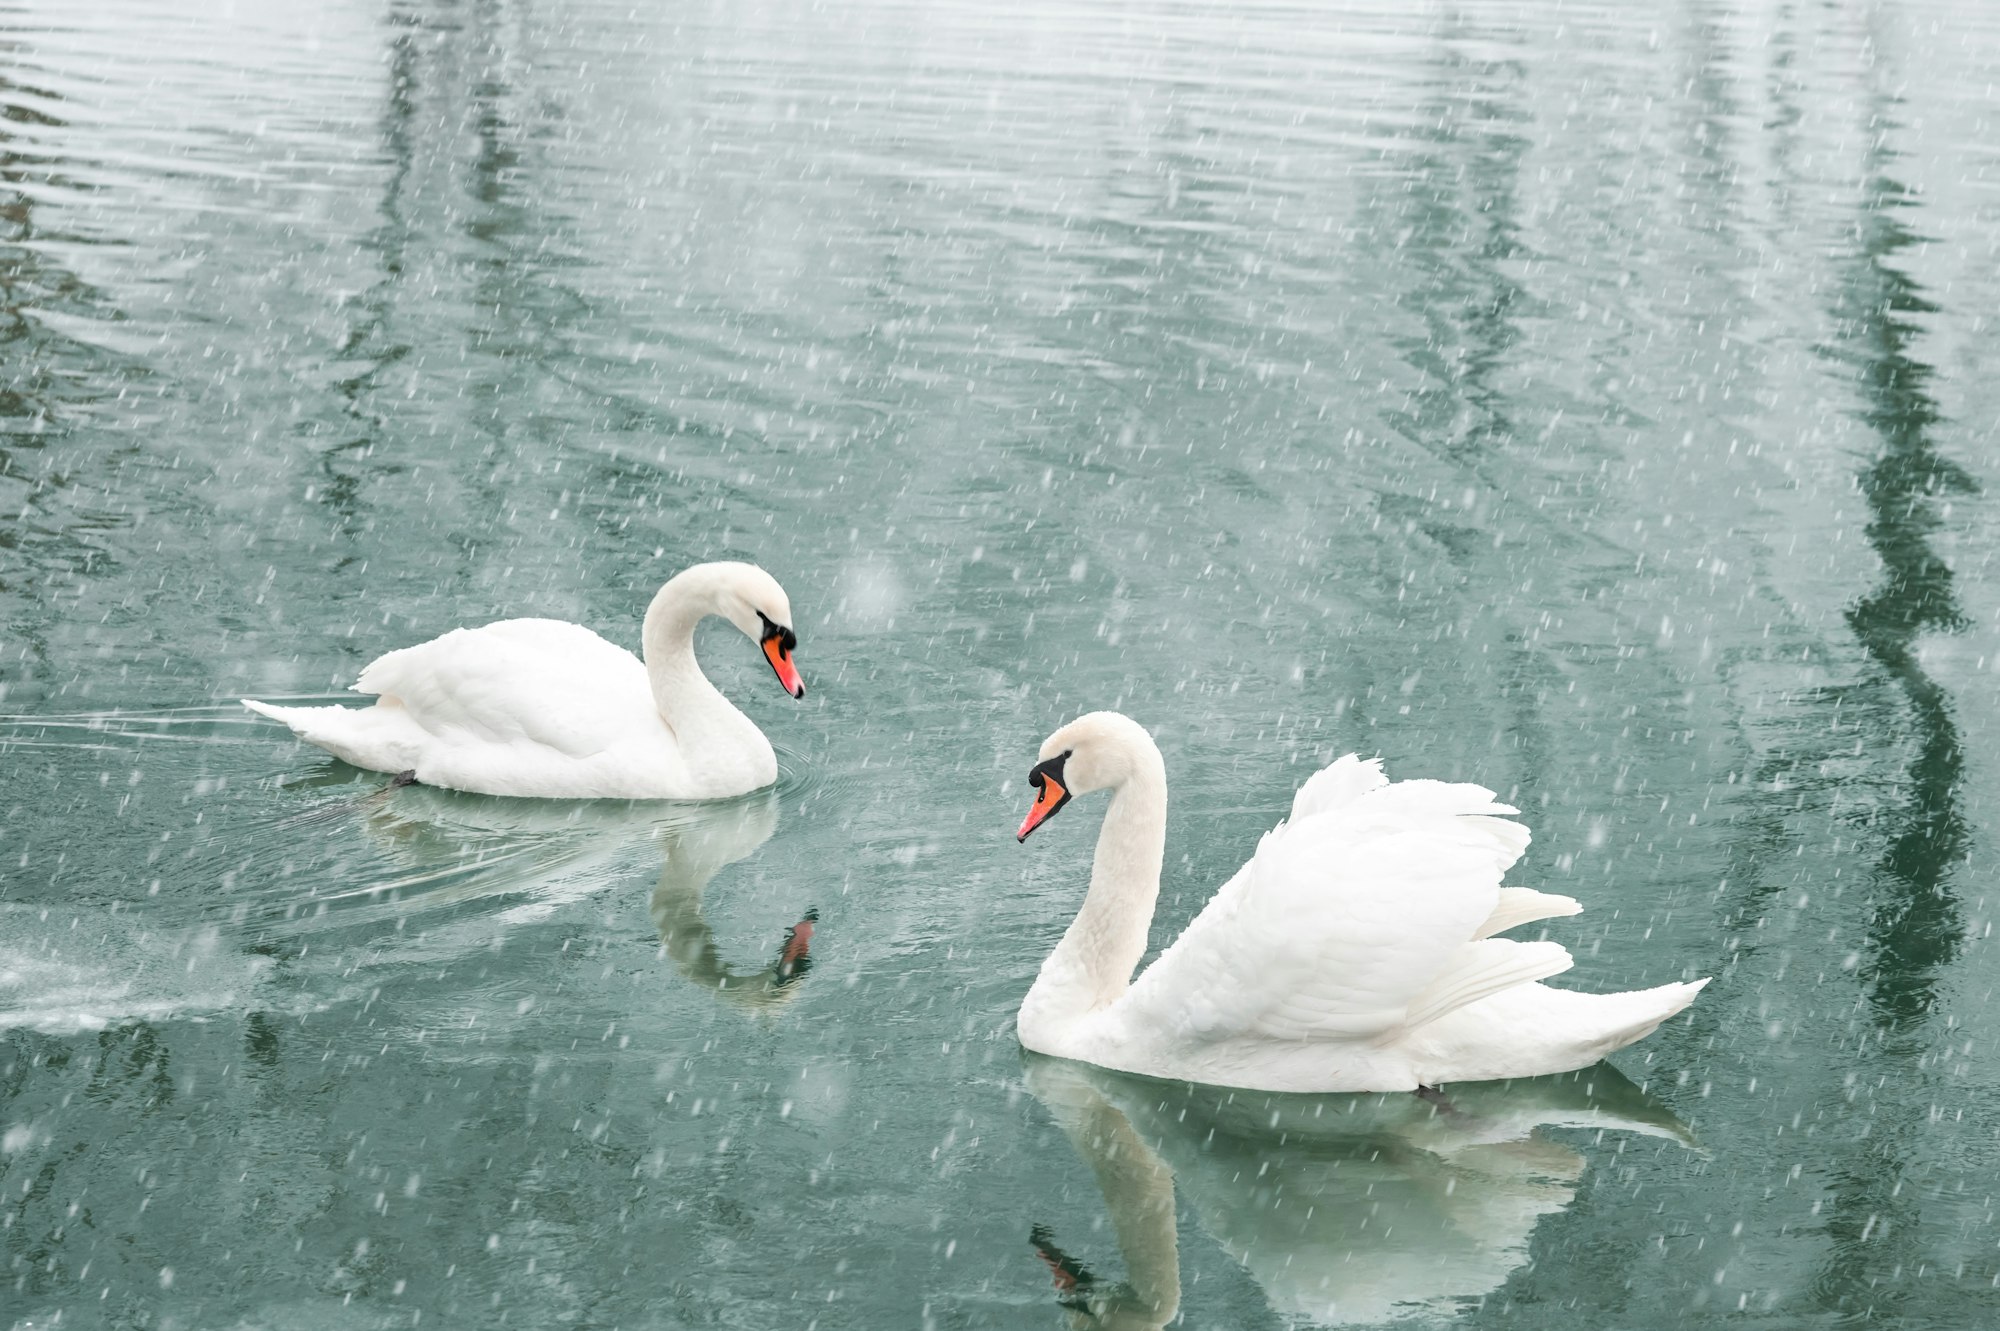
752,600
1093,752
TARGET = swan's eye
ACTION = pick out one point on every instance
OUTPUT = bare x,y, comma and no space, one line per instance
788,641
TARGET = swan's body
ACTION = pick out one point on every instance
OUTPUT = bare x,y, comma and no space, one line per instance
1354,952
544,708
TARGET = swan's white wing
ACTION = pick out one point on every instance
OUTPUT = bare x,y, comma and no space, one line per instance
1481,968
1339,783
1520,905
541,681
1343,921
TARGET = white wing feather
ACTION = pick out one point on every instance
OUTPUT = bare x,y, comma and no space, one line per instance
1339,783
516,681
1347,922
1520,905
1480,969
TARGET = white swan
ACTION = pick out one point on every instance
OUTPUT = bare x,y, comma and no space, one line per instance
544,708
1354,952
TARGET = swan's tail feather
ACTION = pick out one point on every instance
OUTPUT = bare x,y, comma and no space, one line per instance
1582,1028
1635,1014
1521,905
363,736
1481,969
1532,1030
303,721
290,716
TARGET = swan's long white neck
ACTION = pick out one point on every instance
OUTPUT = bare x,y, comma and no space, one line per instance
1093,963
703,721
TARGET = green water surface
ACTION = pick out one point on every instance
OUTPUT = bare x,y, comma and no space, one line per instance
1592,401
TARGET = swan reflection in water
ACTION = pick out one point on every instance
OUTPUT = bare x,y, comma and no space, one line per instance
1344,1208
457,848
695,851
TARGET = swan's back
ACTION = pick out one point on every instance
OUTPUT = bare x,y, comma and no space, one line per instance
540,681
519,707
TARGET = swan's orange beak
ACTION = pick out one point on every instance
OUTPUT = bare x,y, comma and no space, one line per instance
1050,794
779,644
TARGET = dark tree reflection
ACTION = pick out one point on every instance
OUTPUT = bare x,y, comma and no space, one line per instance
1463,222
49,380
371,346
1913,928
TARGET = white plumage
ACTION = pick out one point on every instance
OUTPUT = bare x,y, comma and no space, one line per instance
540,707
1354,952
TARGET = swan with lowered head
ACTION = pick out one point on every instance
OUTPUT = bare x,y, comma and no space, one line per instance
544,708
1354,952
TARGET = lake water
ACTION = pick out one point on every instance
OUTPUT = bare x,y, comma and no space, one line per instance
1591,401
